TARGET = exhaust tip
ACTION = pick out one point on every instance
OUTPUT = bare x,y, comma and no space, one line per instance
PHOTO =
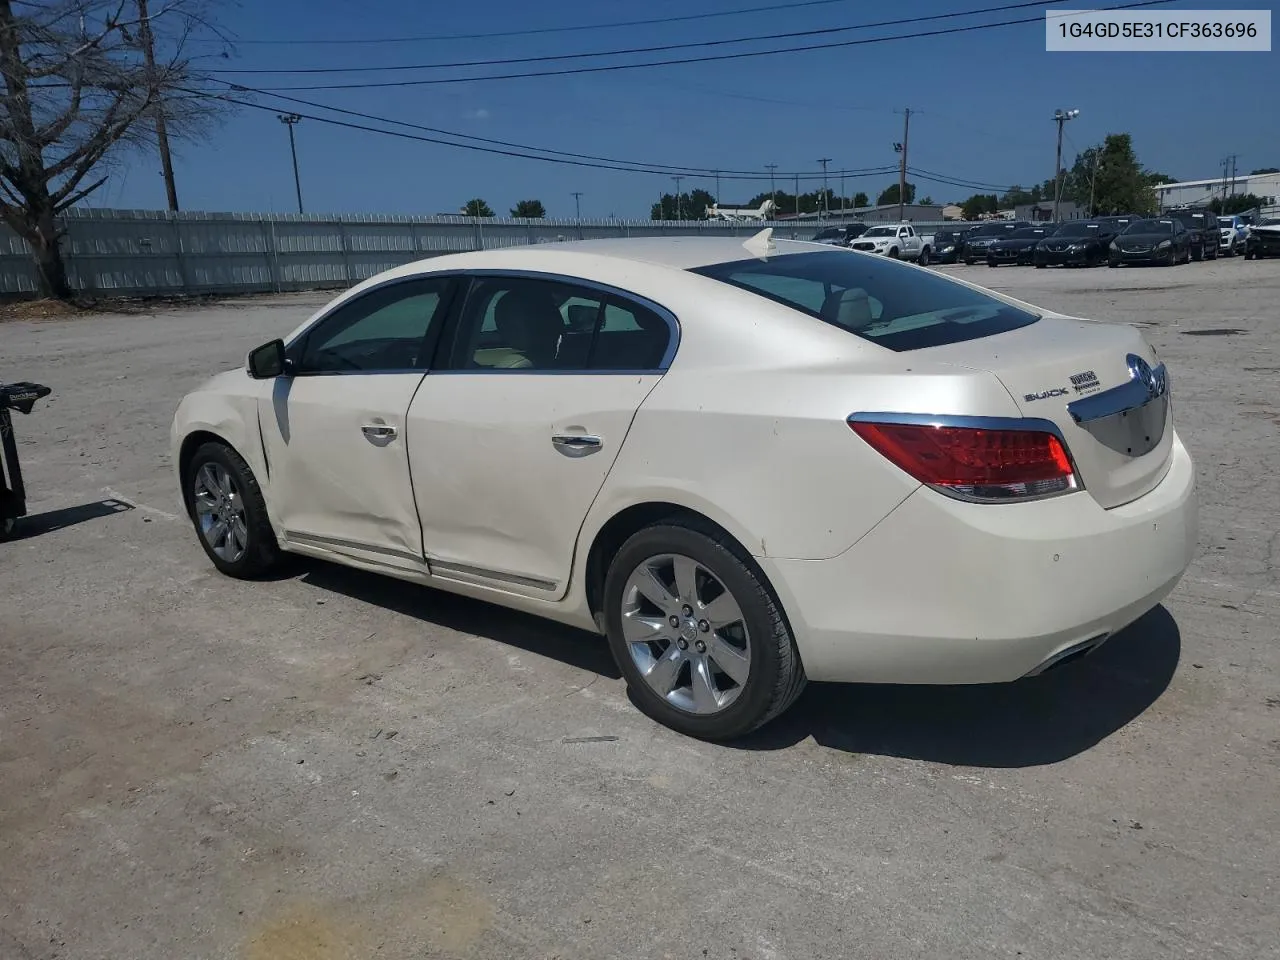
1069,655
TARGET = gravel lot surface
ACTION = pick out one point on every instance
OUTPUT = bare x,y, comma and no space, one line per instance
331,765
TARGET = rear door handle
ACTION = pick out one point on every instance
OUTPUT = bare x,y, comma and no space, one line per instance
378,432
576,442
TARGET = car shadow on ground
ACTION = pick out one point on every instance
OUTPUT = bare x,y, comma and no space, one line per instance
545,638
1026,723
37,524
1031,722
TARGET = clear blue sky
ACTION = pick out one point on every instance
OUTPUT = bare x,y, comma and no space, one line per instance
985,100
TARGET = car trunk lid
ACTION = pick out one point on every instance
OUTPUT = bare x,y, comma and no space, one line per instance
1100,384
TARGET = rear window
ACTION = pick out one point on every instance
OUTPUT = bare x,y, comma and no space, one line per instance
892,304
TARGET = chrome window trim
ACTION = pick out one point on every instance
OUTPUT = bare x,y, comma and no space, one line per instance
980,423
673,323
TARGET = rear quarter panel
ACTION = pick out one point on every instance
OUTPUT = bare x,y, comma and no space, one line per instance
749,425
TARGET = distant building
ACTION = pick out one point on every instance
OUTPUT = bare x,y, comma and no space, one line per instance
1198,193
1043,212
889,213
953,211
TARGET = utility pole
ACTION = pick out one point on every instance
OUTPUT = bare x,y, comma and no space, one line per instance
1060,117
717,188
1226,162
824,209
1234,157
577,204
148,41
773,191
902,167
1093,179
797,195
842,213
289,119
677,180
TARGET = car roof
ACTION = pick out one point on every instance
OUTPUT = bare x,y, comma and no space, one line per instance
682,253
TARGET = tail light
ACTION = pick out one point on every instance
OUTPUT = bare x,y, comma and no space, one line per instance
974,461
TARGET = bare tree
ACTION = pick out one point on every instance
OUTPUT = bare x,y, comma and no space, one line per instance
84,79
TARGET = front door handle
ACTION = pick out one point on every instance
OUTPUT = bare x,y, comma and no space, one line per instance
379,433
576,442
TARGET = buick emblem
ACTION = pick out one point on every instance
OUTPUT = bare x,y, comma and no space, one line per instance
1141,371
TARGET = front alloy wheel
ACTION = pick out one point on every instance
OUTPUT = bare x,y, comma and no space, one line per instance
220,512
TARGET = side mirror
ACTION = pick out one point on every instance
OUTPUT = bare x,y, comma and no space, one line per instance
267,361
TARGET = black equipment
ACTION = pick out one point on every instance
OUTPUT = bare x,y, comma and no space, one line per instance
13,495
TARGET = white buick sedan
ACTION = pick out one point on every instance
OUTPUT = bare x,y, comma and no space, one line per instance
746,464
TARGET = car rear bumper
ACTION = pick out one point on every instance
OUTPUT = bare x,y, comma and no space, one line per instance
944,592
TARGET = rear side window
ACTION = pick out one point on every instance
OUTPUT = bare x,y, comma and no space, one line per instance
527,324
885,302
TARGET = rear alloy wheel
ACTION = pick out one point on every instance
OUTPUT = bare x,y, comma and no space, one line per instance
697,633
229,513
924,257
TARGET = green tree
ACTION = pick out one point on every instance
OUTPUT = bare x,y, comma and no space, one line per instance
1156,179
1238,204
860,199
978,204
688,206
79,89
890,195
1263,170
532,209
477,208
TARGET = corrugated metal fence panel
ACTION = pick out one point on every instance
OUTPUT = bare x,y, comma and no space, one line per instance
140,252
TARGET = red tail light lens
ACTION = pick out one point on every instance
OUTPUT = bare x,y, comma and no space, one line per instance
975,463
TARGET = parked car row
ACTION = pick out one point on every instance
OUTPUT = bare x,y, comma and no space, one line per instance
1178,236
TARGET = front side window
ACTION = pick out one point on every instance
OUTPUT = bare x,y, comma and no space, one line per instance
520,323
390,328
892,304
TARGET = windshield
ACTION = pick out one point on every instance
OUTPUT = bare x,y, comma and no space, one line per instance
892,304
831,234
882,232
1082,229
1226,222
945,236
990,230
1027,233
1151,226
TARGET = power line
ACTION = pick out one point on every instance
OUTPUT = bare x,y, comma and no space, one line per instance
609,68
520,155
299,41
627,51
647,167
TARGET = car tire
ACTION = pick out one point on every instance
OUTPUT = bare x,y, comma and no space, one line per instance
893,253
1197,253
772,675
1113,263
1040,266
990,262
8,528
1248,254
924,257
226,507
968,261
